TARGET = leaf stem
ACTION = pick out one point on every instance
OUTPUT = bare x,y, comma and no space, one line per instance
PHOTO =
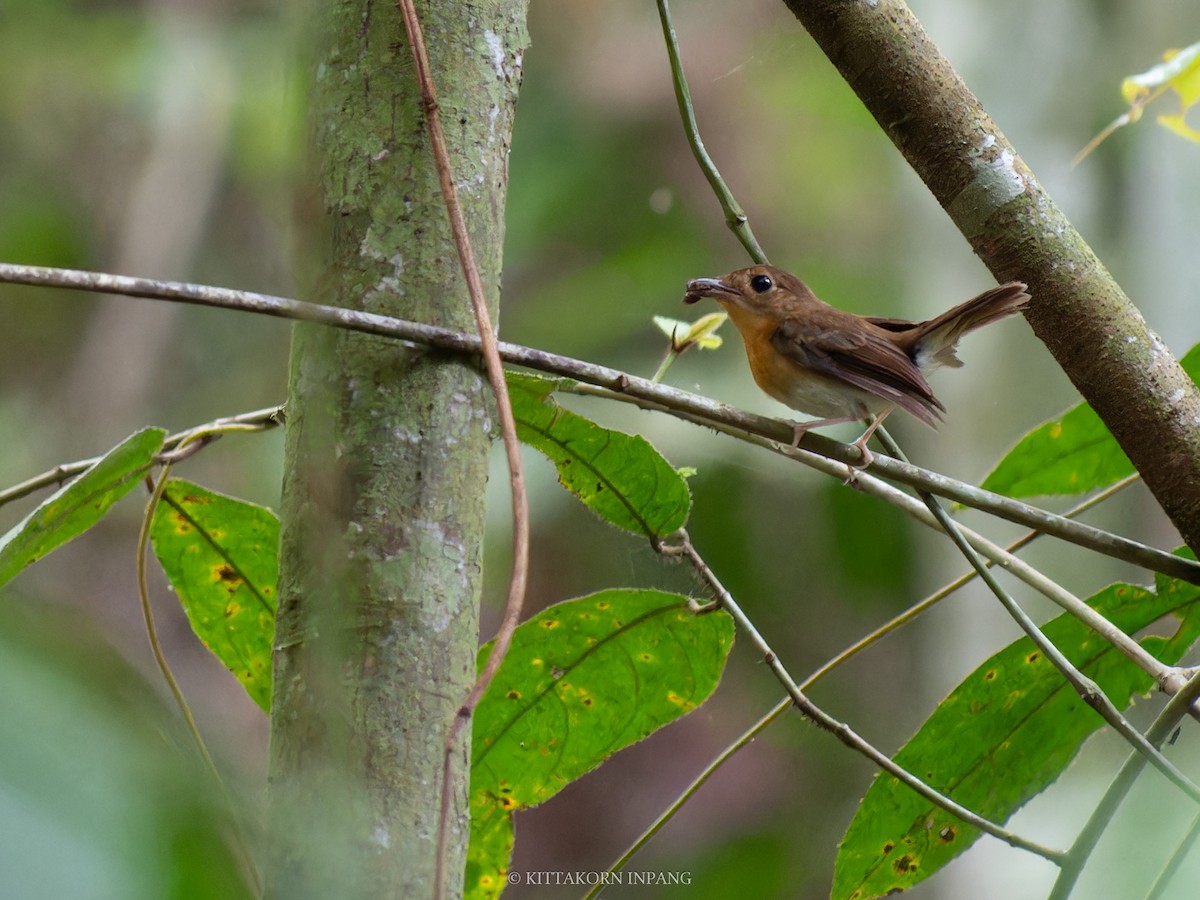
152,632
168,675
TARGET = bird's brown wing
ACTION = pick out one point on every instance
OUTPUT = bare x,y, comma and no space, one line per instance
862,358
897,326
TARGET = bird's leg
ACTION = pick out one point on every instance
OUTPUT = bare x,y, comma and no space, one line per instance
799,429
861,443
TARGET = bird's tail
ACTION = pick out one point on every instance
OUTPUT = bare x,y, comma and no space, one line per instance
936,341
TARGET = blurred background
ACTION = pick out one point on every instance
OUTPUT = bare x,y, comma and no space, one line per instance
166,139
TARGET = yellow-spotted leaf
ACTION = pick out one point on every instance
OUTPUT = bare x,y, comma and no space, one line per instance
620,477
582,680
1004,735
489,852
1072,454
222,557
78,506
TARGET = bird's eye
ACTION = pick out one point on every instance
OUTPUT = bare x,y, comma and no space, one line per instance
761,283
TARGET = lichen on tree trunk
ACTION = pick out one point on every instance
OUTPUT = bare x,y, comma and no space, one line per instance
386,458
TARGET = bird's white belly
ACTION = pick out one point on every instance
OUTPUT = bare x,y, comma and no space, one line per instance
828,400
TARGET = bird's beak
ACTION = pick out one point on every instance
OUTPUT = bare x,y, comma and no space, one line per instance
699,288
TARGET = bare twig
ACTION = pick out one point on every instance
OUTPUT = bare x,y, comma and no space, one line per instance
1088,690
1089,835
508,426
949,588
841,730
1169,678
259,420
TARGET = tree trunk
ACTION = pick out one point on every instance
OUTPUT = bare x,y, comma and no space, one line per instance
386,459
1098,337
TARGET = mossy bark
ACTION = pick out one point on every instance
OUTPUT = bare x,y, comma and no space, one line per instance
386,458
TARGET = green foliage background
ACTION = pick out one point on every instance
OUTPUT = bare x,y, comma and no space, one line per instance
167,140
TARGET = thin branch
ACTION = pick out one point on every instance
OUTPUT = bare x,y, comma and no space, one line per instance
951,587
1075,858
690,791
641,391
841,730
508,426
258,420
735,216
1088,690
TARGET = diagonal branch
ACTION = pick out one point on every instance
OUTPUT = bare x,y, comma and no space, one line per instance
1088,690
1098,337
841,730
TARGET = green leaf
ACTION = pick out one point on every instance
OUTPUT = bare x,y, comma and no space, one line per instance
76,507
620,477
1073,454
489,852
582,680
702,332
1070,455
1004,735
100,794
222,557
1180,72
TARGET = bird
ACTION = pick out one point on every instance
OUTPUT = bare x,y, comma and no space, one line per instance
839,366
